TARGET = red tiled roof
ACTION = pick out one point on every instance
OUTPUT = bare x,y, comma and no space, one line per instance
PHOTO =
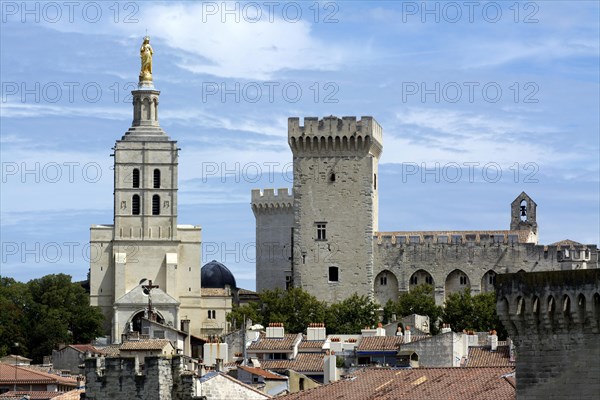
304,362
566,243
483,357
416,384
285,343
261,372
71,395
384,343
311,344
152,344
86,348
9,374
33,395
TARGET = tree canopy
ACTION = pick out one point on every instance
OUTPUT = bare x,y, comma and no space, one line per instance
464,311
295,308
38,315
419,300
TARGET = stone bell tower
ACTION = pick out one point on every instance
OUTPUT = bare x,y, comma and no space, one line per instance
523,216
145,242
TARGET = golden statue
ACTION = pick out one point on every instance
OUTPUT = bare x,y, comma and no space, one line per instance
146,56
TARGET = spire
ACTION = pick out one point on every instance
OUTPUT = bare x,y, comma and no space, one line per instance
145,126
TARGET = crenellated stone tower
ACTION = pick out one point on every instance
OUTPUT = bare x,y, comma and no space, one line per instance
553,318
335,204
145,242
274,221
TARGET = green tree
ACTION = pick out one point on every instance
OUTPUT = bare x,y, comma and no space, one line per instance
351,315
15,303
45,312
464,311
239,314
419,300
294,307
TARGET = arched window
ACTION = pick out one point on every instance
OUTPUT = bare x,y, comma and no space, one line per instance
156,177
333,274
135,178
156,205
135,205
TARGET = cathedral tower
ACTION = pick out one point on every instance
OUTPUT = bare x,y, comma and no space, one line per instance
145,242
335,204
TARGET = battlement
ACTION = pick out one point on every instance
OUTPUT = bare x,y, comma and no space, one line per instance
549,302
267,199
335,135
554,320
451,237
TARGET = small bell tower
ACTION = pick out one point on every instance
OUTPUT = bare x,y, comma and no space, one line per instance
523,216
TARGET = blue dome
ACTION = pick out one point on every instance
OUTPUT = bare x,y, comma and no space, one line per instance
215,275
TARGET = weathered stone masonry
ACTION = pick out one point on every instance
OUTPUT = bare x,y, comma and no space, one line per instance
335,194
554,320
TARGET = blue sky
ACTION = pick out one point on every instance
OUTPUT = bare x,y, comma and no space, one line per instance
464,93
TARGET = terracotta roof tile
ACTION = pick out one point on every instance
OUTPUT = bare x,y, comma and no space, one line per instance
384,343
26,375
33,395
483,357
71,395
566,243
315,345
262,372
86,348
285,343
416,384
304,362
152,344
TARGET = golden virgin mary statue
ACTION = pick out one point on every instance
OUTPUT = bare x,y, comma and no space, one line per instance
146,56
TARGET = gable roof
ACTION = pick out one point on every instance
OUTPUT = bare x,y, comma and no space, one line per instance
86,348
261,372
138,297
566,243
384,343
214,374
484,357
10,374
416,384
150,344
304,362
285,343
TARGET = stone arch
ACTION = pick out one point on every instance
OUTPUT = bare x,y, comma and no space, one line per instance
386,287
488,281
420,277
535,309
581,308
456,281
135,321
520,310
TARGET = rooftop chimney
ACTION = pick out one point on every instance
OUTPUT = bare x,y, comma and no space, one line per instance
316,331
446,328
493,341
219,364
407,334
329,367
275,330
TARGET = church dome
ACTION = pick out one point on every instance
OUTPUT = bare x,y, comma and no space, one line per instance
216,275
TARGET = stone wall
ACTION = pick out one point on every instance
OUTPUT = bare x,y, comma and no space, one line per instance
444,350
274,221
554,320
122,379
